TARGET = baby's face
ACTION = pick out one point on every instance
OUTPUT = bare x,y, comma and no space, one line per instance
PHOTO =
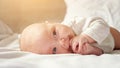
47,38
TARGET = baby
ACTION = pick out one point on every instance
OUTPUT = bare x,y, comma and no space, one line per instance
87,36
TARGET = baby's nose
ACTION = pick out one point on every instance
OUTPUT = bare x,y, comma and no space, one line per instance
65,42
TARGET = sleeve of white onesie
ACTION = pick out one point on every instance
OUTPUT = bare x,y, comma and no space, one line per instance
97,29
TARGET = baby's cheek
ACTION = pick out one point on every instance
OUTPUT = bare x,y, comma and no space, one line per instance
63,51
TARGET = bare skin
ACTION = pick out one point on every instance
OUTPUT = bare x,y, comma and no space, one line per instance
116,36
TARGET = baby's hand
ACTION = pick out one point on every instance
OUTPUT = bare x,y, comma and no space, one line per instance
78,42
90,49
81,45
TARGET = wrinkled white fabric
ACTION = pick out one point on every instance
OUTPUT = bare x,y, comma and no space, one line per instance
6,36
96,28
109,10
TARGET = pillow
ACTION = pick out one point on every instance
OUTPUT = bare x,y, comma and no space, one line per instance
109,10
4,28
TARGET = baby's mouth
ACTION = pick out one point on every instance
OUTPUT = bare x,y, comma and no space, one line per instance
71,46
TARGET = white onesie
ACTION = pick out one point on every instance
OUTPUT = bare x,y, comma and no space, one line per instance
96,28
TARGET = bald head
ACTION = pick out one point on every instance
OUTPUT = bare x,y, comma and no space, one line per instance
44,38
31,36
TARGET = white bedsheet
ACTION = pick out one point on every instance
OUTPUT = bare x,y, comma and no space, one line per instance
13,58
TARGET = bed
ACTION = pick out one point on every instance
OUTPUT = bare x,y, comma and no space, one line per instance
12,57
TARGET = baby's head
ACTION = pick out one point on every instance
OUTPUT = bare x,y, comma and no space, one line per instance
47,38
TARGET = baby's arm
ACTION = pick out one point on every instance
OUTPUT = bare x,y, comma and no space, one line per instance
97,29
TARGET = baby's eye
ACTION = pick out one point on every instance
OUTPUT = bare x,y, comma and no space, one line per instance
54,50
54,32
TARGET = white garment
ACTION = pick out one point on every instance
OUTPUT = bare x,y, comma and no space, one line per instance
96,28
